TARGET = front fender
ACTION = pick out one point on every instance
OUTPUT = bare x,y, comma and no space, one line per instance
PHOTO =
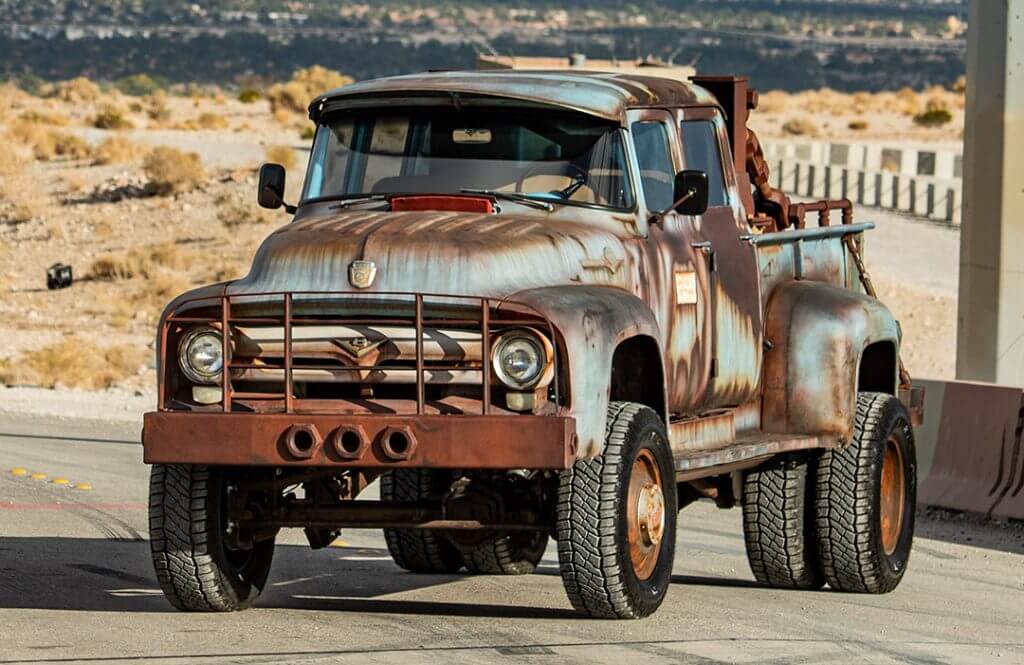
592,321
817,334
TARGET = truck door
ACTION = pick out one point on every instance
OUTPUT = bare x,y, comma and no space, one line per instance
736,335
675,281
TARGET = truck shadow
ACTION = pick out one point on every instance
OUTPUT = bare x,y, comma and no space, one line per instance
103,575
109,575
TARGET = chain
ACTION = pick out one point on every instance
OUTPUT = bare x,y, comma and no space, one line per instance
869,288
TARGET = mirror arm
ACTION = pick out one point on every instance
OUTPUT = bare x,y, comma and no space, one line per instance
657,217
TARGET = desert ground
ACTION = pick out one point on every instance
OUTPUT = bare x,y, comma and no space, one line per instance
148,196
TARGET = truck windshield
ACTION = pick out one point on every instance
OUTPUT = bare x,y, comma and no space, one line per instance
566,158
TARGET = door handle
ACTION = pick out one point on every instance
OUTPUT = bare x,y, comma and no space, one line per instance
705,248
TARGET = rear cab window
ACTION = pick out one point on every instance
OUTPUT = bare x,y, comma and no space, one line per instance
701,152
653,154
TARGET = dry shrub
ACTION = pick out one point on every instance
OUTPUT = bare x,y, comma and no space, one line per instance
211,121
234,211
73,363
155,106
800,127
144,262
111,117
825,100
47,144
71,146
773,101
281,154
304,85
171,171
960,85
76,91
908,102
249,95
44,118
119,150
933,117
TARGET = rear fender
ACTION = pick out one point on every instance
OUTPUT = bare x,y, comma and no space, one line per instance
592,321
817,334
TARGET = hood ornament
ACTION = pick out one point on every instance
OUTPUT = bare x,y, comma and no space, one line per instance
362,273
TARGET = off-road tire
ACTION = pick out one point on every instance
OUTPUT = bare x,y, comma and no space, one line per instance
848,502
505,553
778,523
418,550
592,524
187,538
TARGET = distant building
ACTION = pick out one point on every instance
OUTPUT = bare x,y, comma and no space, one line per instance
647,66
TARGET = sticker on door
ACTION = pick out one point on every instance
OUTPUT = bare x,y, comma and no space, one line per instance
686,288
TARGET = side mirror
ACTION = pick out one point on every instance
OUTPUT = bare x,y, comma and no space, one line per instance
270,193
691,192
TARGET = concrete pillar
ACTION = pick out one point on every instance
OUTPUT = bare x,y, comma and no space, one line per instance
990,340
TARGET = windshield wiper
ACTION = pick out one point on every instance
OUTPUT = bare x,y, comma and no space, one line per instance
517,197
344,203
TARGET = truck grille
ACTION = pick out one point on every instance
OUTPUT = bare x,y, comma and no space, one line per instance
299,351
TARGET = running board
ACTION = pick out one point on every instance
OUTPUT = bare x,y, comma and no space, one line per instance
750,449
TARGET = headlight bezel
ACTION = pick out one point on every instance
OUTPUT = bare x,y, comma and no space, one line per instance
190,372
545,352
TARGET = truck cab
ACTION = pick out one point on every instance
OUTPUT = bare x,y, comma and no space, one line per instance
536,306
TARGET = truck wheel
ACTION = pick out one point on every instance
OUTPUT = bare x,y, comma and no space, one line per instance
418,550
616,519
196,567
778,523
866,498
505,553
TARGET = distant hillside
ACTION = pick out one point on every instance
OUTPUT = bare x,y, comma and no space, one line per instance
786,44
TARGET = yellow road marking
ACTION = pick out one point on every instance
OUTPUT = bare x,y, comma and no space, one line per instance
60,481
19,472
83,486
339,543
38,476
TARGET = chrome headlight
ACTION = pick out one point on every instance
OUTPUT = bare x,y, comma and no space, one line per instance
521,359
201,355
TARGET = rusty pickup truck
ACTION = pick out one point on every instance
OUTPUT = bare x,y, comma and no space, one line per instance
530,306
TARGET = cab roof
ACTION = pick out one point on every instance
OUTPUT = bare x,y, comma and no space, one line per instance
604,95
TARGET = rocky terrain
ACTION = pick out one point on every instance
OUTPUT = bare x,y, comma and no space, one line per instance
146,196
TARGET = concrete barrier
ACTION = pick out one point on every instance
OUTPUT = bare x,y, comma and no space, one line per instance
923,179
970,454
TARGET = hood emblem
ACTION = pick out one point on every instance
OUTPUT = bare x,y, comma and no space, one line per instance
362,273
358,347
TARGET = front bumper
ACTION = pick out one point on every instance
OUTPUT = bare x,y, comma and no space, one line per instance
359,441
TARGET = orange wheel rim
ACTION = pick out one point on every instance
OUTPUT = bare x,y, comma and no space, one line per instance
645,512
893,495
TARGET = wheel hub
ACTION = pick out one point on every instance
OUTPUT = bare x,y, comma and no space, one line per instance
645,514
651,514
892,497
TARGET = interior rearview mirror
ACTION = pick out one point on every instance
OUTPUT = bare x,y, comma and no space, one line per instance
270,194
691,192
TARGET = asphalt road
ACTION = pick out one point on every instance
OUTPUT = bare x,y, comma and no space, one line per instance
76,587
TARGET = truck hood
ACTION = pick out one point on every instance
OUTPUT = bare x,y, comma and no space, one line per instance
453,253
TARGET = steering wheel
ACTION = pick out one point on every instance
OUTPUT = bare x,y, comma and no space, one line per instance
578,175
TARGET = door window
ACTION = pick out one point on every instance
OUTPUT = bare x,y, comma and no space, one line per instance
700,149
656,173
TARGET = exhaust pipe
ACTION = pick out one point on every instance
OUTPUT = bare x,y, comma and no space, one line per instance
303,441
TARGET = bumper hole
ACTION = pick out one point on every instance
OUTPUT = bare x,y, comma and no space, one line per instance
399,443
303,440
350,442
